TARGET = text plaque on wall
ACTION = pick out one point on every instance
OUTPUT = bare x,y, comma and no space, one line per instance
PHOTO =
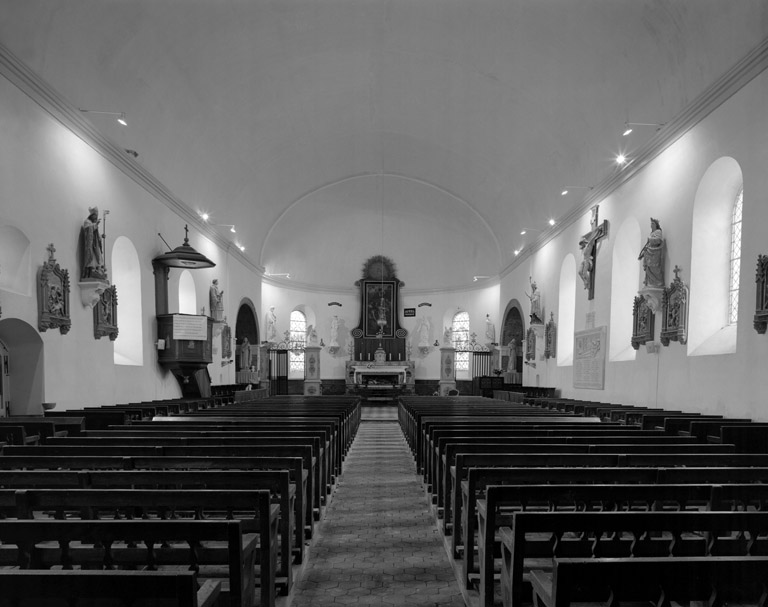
589,349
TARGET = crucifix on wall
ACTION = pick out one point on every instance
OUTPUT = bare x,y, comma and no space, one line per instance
588,245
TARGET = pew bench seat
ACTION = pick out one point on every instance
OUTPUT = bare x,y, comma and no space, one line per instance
107,588
217,550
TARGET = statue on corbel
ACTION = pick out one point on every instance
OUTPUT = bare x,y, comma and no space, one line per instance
652,255
53,295
93,270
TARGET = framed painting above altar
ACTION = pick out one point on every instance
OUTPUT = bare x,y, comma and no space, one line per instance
380,308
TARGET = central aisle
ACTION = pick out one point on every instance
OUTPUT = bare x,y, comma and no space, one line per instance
378,543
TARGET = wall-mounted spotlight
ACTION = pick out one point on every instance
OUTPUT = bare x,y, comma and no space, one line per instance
628,126
227,225
476,278
524,231
568,188
283,274
120,115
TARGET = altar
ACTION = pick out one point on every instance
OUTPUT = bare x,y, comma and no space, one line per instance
379,377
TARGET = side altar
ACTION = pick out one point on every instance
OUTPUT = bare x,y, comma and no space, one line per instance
379,364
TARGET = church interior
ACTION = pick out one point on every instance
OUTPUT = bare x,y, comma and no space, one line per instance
382,213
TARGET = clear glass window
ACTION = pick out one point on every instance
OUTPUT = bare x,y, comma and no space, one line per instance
735,268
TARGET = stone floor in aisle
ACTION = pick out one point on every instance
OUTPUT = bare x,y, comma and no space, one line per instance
378,543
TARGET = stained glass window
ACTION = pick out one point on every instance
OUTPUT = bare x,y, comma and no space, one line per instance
460,328
298,327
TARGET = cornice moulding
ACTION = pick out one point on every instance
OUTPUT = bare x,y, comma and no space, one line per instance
37,89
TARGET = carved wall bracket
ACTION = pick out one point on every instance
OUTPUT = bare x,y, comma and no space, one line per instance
105,315
550,338
675,311
761,303
643,322
530,345
53,295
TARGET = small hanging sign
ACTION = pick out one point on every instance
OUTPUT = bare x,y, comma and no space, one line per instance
409,312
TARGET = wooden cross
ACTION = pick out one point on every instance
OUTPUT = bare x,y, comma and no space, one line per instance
588,245
677,271
51,251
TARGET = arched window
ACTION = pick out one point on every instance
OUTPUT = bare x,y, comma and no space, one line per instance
733,299
566,311
187,293
126,273
298,328
460,333
715,260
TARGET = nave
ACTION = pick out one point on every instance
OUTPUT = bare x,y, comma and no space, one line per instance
378,543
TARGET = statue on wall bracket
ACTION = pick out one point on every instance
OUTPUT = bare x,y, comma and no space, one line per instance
674,325
105,315
761,304
652,255
643,322
53,295
93,270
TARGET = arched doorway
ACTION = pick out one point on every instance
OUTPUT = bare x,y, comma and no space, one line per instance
246,327
22,368
514,329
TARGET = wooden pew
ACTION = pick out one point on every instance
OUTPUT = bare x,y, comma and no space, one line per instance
201,444
496,511
104,544
446,471
445,453
253,508
275,480
265,457
706,580
173,588
479,478
319,443
534,540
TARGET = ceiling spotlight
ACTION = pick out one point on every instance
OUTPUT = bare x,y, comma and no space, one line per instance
567,188
551,222
517,252
524,231
621,159
241,247
204,216
120,115
628,126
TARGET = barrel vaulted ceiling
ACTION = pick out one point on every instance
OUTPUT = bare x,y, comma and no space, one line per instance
431,131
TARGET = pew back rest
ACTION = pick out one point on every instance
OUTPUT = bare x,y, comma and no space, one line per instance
659,581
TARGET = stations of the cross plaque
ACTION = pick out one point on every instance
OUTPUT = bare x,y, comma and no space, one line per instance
588,245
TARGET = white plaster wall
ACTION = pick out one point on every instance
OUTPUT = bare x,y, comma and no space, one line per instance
48,179
732,384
